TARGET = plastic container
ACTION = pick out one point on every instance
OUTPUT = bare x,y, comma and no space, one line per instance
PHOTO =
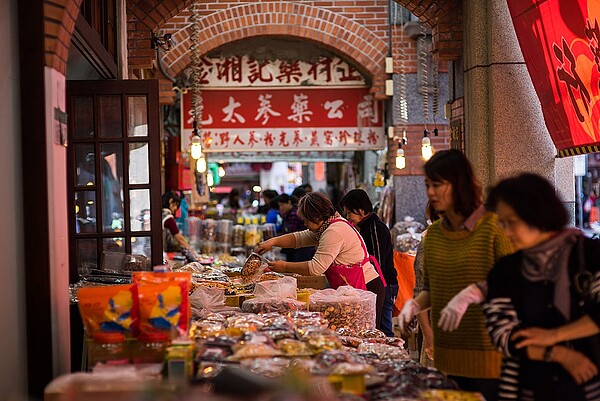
150,348
239,236
108,348
252,235
209,230
268,231
224,231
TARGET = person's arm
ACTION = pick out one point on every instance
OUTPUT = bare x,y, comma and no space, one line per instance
580,328
579,366
283,241
501,317
182,241
281,266
425,324
413,307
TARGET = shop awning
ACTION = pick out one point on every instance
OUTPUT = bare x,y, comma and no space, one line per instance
560,40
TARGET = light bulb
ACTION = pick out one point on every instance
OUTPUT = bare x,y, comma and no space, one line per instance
400,159
426,149
210,181
196,147
201,164
221,171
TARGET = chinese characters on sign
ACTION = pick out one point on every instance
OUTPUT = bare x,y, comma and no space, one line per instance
243,71
270,119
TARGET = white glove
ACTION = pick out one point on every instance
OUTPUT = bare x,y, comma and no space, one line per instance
452,314
409,310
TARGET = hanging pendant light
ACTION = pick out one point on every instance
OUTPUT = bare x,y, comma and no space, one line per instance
210,181
196,146
201,164
400,158
426,149
221,171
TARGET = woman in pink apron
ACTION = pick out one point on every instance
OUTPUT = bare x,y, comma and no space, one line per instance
341,253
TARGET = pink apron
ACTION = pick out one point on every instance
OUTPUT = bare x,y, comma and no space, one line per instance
352,275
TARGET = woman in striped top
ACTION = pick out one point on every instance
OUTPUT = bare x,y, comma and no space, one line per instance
542,309
458,250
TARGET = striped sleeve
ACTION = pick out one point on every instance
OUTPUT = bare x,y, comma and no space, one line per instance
508,388
500,313
501,319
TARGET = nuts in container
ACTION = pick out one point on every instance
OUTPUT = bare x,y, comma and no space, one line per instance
239,234
254,266
270,305
345,307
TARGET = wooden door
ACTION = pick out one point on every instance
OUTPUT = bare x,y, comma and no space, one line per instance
113,171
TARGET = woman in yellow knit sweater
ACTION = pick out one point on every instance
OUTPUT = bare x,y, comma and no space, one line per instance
458,250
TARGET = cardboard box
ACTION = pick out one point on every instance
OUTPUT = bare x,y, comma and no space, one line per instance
316,282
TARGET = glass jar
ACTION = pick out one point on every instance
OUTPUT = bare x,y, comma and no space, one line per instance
108,348
150,348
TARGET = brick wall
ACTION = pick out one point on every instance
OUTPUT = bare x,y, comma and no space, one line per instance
146,16
360,32
59,22
412,150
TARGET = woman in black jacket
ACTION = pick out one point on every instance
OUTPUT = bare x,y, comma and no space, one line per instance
358,209
543,309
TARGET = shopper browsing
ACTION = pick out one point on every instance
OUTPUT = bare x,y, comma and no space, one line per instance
459,249
543,307
358,209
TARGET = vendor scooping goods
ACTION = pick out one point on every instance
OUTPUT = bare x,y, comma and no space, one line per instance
173,240
341,253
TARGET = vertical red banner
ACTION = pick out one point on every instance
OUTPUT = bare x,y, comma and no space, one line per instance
560,41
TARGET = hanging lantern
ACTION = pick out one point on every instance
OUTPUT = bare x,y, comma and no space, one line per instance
400,159
426,149
196,147
201,164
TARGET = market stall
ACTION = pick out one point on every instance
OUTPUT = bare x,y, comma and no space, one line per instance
190,331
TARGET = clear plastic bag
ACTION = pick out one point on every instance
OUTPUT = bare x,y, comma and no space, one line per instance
274,296
270,305
284,288
212,299
345,307
253,267
255,351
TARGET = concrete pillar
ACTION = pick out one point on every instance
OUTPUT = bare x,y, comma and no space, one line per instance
505,131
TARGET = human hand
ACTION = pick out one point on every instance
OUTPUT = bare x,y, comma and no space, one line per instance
428,345
577,364
409,310
454,311
535,336
264,247
277,266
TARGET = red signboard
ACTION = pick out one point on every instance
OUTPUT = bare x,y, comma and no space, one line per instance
560,40
292,119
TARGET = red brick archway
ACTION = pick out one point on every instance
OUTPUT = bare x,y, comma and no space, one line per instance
145,16
319,25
